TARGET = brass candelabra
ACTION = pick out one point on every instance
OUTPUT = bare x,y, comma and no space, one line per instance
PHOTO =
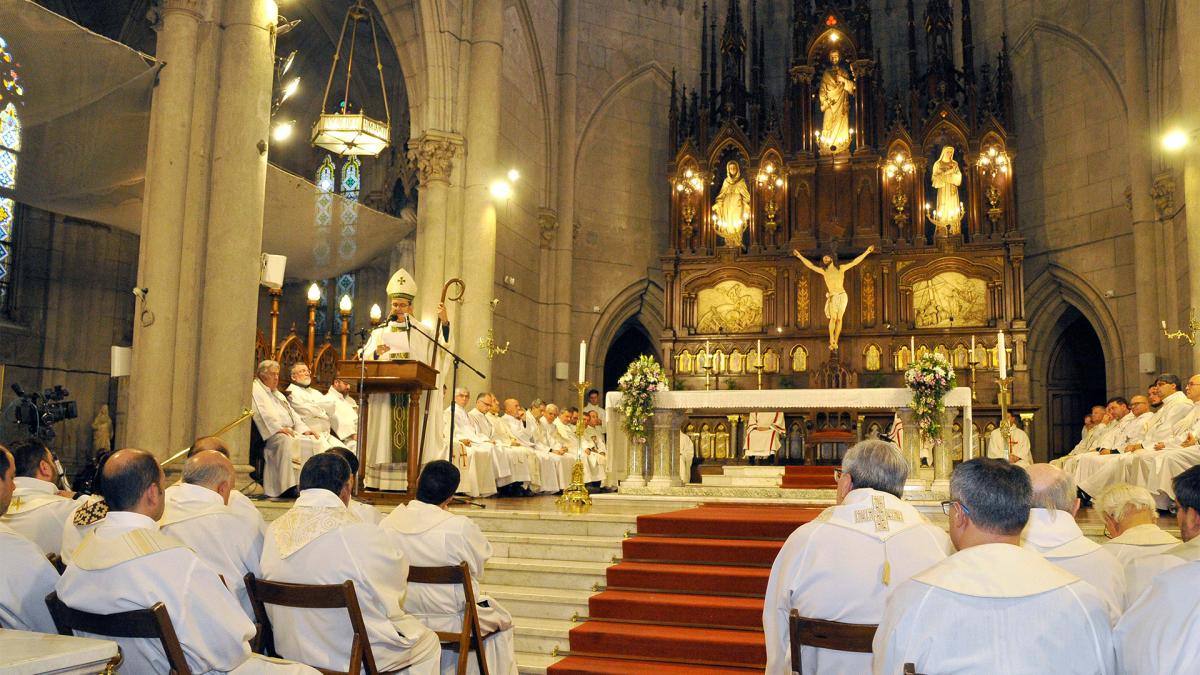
758,366
1005,427
973,363
1190,335
575,496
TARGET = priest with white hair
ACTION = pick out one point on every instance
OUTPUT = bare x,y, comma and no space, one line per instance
289,441
312,406
511,432
473,456
1053,532
844,564
517,464
1130,519
993,606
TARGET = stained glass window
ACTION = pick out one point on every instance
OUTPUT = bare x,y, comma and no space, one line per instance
10,127
12,92
350,178
7,216
351,182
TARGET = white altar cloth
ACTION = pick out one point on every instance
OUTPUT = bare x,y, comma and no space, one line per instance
737,400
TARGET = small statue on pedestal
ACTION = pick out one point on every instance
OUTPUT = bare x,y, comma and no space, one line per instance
102,431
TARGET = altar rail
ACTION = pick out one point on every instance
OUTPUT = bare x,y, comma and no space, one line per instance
629,465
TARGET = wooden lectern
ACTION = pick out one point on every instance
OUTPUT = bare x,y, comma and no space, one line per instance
389,377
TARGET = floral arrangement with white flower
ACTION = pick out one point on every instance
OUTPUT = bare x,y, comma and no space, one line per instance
930,378
641,381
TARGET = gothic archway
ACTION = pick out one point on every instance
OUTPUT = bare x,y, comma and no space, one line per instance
1075,380
632,341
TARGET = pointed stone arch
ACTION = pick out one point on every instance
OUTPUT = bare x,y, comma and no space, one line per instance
643,301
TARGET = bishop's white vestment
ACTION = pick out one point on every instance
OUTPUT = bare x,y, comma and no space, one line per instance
1018,442
764,433
1140,573
1140,541
995,608
283,455
344,419
25,581
1158,634
38,512
126,563
842,566
226,541
319,541
474,460
1057,536
430,536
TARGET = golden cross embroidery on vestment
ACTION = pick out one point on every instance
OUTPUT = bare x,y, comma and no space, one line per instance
878,514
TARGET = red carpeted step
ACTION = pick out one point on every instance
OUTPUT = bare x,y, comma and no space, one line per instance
716,579
730,522
693,550
677,608
705,646
808,477
593,665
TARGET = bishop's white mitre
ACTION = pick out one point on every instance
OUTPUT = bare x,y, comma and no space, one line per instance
402,285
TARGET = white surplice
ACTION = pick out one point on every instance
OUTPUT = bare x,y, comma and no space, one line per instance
511,465
1018,442
474,460
365,512
319,541
312,406
995,608
38,512
1155,467
1140,541
283,455
764,432
1159,632
543,466
344,419
226,541
432,537
1057,536
1141,572
1093,471
841,567
126,563
26,578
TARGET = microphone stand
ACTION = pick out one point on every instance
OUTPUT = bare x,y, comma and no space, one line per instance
361,478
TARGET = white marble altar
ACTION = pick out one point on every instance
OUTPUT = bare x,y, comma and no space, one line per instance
28,653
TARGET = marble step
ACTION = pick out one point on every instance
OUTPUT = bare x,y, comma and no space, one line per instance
746,470
532,522
542,636
537,602
529,663
554,546
737,480
549,574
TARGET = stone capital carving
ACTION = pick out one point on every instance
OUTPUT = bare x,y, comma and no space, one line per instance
1163,193
433,154
197,8
548,226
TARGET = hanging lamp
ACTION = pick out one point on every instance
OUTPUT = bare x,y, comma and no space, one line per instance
343,132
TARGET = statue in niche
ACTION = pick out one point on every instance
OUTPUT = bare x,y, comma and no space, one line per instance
731,209
102,431
835,290
946,176
837,86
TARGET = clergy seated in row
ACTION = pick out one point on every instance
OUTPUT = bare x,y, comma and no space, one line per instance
27,576
1018,448
198,513
1131,520
1158,632
39,508
474,456
1141,572
843,565
993,607
513,465
595,451
344,418
314,408
127,563
1093,432
1085,438
1157,469
1106,455
544,460
430,536
1053,532
320,541
365,512
1122,423
596,405
289,441
764,436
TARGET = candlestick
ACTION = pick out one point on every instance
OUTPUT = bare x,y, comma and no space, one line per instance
1001,356
575,496
912,350
582,359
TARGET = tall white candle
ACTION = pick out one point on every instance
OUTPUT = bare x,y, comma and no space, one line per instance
912,346
758,349
582,359
1001,355
972,346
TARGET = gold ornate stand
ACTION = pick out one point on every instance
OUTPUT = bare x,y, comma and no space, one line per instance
575,497
1005,427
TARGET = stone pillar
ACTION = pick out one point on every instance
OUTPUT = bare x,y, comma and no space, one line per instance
664,448
563,247
479,213
1187,13
942,454
911,447
154,337
433,155
234,237
636,464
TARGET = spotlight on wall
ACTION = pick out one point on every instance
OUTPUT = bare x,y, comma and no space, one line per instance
514,175
1175,140
289,89
283,131
501,189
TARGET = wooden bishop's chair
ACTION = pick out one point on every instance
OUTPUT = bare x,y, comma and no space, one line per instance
306,596
842,637
469,637
154,624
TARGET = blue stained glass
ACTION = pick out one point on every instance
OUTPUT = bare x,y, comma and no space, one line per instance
8,169
10,128
325,175
6,218
351,182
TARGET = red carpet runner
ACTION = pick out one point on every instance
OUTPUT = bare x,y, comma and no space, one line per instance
687,596
809,477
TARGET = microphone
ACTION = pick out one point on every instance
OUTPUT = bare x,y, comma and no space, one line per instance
392,317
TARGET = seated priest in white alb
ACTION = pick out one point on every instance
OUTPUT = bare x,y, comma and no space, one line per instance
312,406
127,563
27,576
844,564
319,541
1130,519
1085,436
473,458
1018,451
1106,465
1053,532
1155,470
430,536
546,463
764,435
1158,633
365,512
1142,571
514,467
403,336
344,419
39,508
595,451
993,606
1096,425
565,425
595,404
198,514
289,441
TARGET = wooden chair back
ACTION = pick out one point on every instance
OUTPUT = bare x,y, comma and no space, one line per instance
469,637
55,560
153,624
308,596
842,637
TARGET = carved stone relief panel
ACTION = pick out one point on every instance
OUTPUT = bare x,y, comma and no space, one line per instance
948,300
729,307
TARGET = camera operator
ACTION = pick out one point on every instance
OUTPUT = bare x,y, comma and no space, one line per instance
39,509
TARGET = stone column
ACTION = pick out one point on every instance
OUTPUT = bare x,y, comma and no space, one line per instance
479,213
153,372
664,448
234,237
563,246
1187,13
942,454
433,155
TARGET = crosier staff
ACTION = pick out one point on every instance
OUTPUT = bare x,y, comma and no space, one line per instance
437,332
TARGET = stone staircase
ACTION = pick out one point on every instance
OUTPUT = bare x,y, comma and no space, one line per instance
744,476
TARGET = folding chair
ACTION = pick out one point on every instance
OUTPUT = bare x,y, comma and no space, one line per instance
470,636
153,623
842,637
